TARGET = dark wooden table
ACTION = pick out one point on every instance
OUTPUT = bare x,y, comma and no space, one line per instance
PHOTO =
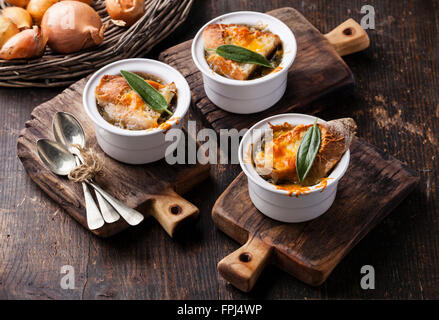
396,105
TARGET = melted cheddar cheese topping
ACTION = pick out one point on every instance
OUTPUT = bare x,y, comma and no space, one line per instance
275,157
123,107
276,161
281,153
253,40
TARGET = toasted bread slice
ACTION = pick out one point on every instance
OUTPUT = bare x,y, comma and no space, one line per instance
281,152
264,43
123,107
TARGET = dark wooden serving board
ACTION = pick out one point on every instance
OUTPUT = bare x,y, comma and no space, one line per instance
374,184
153,189
317,70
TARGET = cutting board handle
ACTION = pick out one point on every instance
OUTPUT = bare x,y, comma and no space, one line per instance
349,37
243,267
171,211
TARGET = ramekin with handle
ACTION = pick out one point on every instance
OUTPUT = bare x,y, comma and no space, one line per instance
280,204
246,96
136,146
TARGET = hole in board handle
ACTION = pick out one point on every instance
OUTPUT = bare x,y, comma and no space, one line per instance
245,257
175,209
348,31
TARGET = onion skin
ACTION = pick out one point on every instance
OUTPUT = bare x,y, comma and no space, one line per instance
18,3
37,8
72,26
125,12
7,30
19,16
28,43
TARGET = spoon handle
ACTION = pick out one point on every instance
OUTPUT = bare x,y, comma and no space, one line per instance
94,217
131,216
108,213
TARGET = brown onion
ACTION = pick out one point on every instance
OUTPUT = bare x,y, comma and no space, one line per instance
28,43
8,29
37,8
18,3
72,26
125,12
19,16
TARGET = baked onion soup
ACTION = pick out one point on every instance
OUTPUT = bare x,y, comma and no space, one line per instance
254,38
121,106
281,152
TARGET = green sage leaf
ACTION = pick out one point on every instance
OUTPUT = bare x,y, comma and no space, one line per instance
147,92
308,149
241,54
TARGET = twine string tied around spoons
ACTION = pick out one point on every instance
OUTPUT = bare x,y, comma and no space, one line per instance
91,166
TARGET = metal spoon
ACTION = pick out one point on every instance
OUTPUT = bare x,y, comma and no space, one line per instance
58,159
69,132
61,162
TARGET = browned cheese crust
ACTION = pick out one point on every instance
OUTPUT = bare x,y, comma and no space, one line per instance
214,35
336,138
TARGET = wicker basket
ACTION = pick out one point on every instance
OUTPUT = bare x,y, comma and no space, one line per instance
161,18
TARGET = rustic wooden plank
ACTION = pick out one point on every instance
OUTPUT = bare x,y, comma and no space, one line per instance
374,184
316,71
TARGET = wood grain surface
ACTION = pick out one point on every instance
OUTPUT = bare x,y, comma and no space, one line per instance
395,103
317,70
371,188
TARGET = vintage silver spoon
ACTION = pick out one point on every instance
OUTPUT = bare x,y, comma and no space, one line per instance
58,159
61,162
69,132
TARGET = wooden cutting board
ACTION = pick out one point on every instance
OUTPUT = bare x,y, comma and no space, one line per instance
317,70
152,189
374,184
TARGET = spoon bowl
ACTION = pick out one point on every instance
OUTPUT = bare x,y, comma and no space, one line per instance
57,158
68,130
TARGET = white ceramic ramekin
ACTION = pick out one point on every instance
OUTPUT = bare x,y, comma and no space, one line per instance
246,96
278,204
136,146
